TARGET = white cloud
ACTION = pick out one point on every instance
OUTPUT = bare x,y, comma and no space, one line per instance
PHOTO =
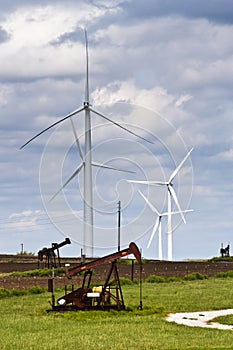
32,28
26,220
226,155
182,99
126,91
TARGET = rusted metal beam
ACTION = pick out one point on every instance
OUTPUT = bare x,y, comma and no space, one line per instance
133,249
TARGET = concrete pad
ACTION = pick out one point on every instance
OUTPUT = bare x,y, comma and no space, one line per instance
201,319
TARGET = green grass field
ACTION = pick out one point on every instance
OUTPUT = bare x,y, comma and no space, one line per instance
25,324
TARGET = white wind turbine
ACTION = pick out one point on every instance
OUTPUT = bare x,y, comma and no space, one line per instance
158,225
171,194
86,158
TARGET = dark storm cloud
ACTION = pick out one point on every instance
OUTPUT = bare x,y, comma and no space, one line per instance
69,37
4,36
213,10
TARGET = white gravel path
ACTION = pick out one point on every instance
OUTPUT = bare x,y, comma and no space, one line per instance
200,319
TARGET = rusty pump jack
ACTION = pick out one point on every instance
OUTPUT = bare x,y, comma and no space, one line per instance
105,297
50,255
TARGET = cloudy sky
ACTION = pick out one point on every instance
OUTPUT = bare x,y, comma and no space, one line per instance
162,69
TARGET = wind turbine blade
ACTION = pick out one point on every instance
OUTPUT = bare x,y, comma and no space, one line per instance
138,182
87,71
76,139
68,181
179,166
120,126
150,204
176,212
111,167
183,211
148,182
153,232
52,125
173,194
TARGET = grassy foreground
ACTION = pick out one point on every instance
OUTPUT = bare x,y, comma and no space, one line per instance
25,324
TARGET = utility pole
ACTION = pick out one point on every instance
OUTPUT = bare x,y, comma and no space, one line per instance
119,226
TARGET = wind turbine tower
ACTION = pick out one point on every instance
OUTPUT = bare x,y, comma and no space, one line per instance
88,191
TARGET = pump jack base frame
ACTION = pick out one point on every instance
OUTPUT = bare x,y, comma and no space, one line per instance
110,296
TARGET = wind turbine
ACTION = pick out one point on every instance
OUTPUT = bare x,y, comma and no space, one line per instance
158,225
171,194
87,158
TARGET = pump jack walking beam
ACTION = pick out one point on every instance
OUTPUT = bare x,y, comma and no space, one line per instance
49,253
133,249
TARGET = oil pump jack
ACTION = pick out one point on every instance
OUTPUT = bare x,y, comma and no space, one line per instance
49,254
105,297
